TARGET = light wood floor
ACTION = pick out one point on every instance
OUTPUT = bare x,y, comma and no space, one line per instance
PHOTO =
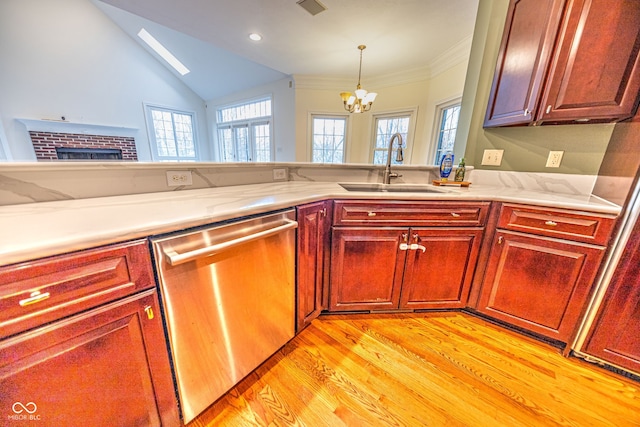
435,369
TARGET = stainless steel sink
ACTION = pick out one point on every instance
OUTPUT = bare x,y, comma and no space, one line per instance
391,188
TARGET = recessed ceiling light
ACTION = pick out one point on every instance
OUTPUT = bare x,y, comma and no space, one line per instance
255,37
163,52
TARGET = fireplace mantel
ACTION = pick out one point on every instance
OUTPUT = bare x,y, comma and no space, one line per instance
59,126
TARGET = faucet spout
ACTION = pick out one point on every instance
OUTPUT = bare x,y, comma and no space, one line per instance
386,178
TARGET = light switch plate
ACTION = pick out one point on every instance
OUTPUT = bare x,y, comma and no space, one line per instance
554,159
178,178
492,157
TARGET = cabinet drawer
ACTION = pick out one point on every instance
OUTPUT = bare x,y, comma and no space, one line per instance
571,225
36,292
359,213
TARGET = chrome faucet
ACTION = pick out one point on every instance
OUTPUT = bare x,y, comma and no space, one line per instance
386,178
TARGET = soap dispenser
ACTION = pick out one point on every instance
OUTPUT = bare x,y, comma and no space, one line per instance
446,165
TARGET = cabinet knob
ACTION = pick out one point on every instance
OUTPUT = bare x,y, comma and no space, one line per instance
149,310
551,223
371,214
500,240
455,215
548,110
323,212
526,112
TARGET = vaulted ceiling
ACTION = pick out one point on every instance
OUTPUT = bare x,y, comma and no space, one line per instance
211,37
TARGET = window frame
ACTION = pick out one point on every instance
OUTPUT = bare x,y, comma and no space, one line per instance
151,133
437,125
251,124
314,115
5,153
407,142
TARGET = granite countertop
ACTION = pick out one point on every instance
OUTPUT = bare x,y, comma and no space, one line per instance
35,230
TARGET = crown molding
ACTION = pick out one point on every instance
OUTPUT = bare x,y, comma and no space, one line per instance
448,59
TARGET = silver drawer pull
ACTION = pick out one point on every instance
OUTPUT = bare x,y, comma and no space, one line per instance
455,215
35,297
551,223
371,214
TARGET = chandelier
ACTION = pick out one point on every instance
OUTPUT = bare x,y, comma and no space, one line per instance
362,100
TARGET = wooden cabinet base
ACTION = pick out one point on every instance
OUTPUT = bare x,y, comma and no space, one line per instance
108,366
537,283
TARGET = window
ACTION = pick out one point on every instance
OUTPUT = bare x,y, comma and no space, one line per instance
244,132
172,135
385,127
328,139
447,116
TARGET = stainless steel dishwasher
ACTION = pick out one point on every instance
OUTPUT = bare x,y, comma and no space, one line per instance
228,295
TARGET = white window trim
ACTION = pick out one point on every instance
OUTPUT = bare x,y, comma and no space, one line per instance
347,135
408,144
257,120
250,126
437,119
5,153
151,133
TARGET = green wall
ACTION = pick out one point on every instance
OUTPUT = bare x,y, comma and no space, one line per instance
525,148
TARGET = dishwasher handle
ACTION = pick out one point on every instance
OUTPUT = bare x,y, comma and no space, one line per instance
176,258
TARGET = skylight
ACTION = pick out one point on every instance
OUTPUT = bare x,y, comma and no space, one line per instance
163,52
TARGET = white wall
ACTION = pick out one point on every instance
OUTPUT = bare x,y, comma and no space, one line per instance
422,95
282,93
66,58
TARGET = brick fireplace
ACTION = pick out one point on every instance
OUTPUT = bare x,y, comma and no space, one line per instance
50,146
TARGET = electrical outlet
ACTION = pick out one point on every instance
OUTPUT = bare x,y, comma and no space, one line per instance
280,174
492,157
177,178
554,159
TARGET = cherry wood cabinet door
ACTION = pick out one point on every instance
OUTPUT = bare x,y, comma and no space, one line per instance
441,275
107,366
36,292
537,283
615,337
595,71
523,59
313,251
366,268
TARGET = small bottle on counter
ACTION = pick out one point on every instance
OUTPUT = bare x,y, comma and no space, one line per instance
446,166
460,170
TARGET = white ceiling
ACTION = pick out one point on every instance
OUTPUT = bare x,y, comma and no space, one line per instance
211,37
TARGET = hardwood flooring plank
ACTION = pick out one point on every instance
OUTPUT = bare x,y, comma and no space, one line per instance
391,391
426,369
465,392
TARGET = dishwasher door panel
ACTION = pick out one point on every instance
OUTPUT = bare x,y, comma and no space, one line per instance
229,311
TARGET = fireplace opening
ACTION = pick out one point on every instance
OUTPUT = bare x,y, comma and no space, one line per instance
88,153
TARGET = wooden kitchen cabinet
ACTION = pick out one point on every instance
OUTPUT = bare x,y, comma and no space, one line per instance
523,59
366,268
44,290
567,61
440,277
83,342
378,262
314,227
615,336
541,283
